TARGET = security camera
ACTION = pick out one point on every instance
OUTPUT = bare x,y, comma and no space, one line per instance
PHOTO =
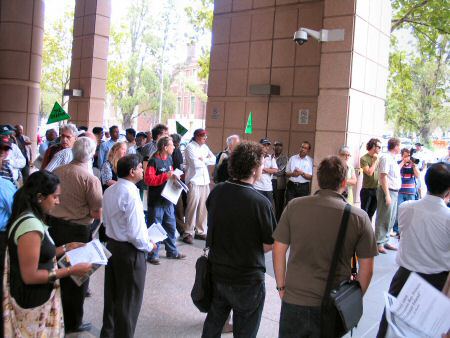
324,35
300,37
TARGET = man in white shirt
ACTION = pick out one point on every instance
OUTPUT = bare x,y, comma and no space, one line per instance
129,244
264,183
390,182
15,157
197,158
68,137
299,172
425,235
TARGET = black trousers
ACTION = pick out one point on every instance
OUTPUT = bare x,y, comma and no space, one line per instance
278,199
72,295
401,276
124,289
294,190
368,201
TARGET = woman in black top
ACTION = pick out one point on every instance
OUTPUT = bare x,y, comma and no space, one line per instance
31,249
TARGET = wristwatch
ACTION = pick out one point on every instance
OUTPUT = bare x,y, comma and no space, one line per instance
52,276
280,288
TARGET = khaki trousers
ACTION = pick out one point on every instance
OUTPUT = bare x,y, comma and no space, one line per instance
196,214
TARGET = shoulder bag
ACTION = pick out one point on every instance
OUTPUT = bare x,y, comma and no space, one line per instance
341,307
202,290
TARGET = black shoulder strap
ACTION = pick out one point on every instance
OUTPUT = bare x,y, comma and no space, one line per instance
337,250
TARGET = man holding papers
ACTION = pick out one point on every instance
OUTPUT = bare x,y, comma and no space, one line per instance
160,209
425,238
129,243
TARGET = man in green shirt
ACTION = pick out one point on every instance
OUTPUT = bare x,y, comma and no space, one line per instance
368,164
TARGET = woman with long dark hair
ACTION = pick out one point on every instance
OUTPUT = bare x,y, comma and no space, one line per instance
31,288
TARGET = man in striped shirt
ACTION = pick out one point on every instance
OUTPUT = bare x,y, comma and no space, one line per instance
409,172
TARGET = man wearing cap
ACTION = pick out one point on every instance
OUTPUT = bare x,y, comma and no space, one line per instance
6,170
198,157
422,165
279,178
15,158
299,172
264,184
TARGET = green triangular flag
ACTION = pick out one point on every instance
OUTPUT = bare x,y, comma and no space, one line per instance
57,114
180,129
249,127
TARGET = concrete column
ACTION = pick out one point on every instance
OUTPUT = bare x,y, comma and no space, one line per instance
21,40
89,61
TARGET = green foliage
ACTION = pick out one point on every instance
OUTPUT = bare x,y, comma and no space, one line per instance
134,67
418,87
56,60
201,15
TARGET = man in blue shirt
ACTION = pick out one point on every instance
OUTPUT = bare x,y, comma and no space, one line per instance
7,191
106,146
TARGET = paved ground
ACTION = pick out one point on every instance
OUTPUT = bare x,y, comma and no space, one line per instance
167,310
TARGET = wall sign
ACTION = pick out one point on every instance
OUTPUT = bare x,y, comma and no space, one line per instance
303,116
215,115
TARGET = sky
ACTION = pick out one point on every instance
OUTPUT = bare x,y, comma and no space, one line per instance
119,10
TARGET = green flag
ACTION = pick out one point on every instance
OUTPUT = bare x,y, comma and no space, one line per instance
57,114
249,127
181,129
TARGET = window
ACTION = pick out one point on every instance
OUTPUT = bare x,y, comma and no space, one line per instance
192,105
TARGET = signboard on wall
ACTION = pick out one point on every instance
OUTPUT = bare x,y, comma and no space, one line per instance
303,116
215,115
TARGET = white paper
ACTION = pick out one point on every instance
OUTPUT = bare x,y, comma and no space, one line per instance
177,172
423,307
397,328
156,233
173,188
92,253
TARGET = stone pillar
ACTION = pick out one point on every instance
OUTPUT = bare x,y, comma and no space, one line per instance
353,77
89,61
21,40
332,93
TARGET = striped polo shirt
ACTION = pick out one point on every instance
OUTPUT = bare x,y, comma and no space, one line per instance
408,180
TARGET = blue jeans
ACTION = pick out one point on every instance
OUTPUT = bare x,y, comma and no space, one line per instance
299,321
247,303
402,198
164,214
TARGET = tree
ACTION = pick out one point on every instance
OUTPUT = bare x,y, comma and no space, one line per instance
418,86
56,60
133,81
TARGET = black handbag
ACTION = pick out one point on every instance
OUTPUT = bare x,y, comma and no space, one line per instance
342,307
201,292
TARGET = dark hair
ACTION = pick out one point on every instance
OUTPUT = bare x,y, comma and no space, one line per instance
131,131
437,178
309,144
245,158
84,128
331,172
405,150
176,138
97,130
163,142
372,143
393,142
111,129
126,163
50,131
26,198
158,130
141,134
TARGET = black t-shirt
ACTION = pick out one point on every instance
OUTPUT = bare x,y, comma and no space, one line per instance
240,220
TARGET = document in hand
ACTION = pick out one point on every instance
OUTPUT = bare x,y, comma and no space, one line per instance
173,188
93,252
421,307
156,233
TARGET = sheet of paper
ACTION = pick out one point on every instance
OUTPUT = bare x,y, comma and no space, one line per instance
156,233
423,307
92,252
172,191
177,172
396,327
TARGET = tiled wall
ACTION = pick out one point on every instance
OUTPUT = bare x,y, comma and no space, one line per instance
341,84
252,44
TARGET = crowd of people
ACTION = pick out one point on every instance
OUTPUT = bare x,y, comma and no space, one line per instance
83,183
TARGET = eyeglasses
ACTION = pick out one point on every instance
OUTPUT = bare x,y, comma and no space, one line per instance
378,147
